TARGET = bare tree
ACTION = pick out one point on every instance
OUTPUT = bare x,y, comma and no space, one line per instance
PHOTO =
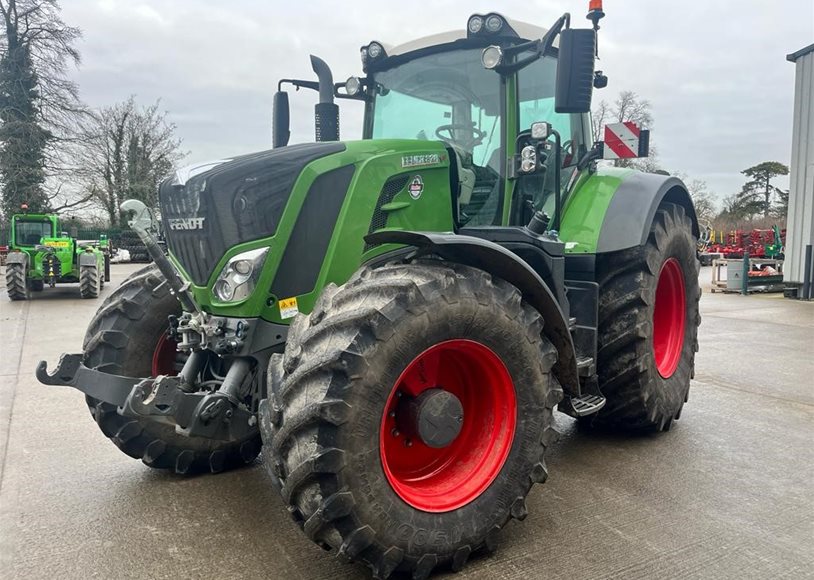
600,115
627,107
39,105
702,199
128,151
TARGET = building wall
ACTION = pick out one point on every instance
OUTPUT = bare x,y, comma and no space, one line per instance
800,223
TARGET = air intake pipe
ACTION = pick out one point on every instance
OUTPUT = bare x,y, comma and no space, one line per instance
326,112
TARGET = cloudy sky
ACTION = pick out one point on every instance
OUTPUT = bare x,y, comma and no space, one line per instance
714,70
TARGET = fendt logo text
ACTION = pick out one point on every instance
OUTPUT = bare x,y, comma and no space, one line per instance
187,223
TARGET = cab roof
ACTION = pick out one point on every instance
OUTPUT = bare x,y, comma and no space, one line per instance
524,30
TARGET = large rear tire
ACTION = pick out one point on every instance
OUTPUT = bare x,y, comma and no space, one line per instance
127,336
16,286
648,326
354,466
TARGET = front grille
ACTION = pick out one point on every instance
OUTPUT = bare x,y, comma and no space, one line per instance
391,187
239,200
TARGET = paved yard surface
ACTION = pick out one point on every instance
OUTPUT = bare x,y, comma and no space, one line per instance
728,493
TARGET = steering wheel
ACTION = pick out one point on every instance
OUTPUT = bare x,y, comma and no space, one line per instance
477,134
567,153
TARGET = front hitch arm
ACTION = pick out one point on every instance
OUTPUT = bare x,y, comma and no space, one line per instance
70,372
213,415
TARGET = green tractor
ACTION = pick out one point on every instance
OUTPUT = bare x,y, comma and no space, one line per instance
41,254
395,320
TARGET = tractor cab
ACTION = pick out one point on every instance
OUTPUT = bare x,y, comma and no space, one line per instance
444,87
478,91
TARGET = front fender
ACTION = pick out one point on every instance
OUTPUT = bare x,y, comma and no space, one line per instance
17,258
502,263
88,259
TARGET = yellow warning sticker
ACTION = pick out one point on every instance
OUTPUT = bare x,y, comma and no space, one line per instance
57,244
288,308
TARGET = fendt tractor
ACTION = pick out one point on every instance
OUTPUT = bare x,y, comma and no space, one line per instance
41,254
395,319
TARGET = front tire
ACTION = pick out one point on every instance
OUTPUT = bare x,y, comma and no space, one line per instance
89,284
16,286
648,326
127,336
357,474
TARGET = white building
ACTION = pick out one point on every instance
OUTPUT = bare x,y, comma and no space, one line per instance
800,222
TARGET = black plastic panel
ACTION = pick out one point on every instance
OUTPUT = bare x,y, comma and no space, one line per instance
391,187
305,251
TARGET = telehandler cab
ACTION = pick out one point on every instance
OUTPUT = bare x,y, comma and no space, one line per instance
395,319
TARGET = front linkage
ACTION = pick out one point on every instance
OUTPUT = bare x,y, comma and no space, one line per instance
177,400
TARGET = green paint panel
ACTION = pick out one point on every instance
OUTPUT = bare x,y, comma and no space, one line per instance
585,207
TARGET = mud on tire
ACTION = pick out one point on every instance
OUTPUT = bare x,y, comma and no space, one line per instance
121,339
321,423
639,398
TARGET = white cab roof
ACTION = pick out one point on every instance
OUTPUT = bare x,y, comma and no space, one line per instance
523,29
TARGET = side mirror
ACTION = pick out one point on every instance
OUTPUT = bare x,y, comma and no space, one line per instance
280,116
575,71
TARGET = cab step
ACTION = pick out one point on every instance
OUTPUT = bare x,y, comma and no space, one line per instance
582,406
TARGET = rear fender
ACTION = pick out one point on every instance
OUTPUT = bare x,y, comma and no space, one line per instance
502,263
631,211
17,258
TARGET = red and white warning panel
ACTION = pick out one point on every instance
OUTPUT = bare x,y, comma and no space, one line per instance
625,141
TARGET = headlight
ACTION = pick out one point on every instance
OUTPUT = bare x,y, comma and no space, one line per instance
239,276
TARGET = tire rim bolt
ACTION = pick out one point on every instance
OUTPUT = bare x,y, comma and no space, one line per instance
395,433
408,443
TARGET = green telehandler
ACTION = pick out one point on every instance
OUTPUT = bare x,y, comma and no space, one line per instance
40,255
394,320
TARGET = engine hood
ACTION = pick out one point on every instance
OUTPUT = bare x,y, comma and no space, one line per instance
209,207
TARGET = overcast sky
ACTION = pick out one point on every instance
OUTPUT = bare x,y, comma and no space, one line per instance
714,70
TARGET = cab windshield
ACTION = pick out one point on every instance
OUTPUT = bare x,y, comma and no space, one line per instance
29,233
448,96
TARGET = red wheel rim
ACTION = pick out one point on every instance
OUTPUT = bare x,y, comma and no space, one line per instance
164,357
668,318
439,480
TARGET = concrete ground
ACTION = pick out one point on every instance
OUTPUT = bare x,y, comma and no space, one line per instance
727,493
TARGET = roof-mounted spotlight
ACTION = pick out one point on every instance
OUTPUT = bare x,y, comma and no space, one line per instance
494,23
491,57
491,24
475,24
371,53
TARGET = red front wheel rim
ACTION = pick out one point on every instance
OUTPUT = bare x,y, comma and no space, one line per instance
668,318
443,479
165,357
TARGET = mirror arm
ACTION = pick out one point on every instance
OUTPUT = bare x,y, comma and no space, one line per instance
540,47
557,180
298,84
